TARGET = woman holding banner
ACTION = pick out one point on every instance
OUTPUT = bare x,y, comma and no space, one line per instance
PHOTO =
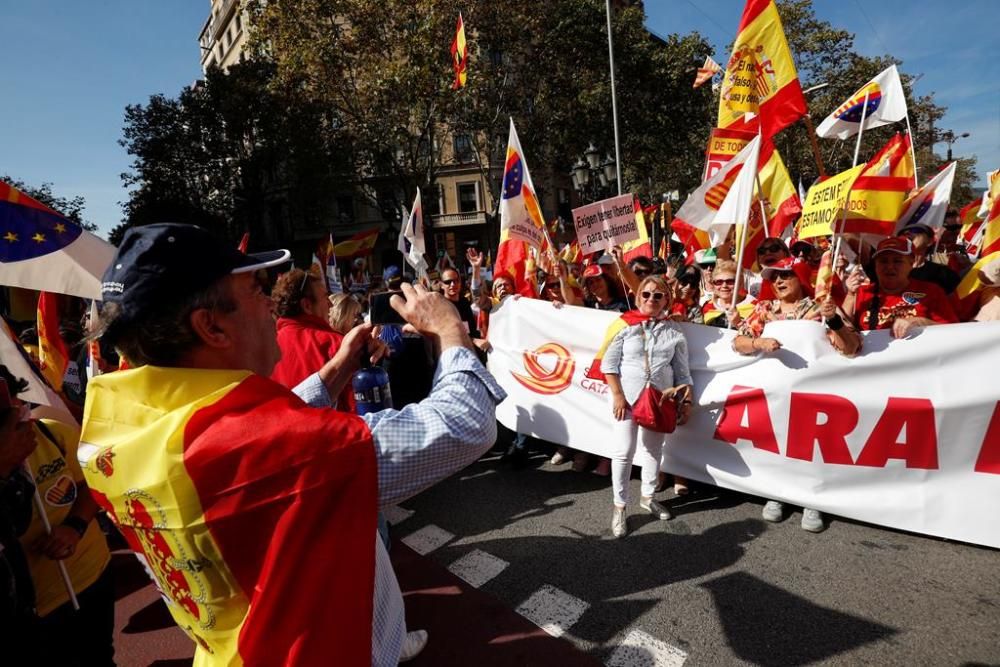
646,347
789,281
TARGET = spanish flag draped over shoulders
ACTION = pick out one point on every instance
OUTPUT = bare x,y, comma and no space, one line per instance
627,319
760,89
255,513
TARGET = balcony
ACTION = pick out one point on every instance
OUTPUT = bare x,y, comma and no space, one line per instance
222,19
458,219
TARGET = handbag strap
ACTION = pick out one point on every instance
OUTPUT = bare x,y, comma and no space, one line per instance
645,353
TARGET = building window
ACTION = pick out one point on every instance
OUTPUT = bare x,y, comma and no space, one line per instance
468,198
463,147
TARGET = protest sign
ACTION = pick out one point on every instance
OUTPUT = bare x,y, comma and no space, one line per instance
873,438
606,223
824,203
723,145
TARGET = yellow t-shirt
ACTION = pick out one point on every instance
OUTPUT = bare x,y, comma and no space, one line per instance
57,477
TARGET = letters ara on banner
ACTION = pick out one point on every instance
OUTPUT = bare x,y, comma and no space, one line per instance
875,438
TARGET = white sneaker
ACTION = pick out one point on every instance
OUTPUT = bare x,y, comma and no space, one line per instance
558,459
413,644
655,508
618,522
812,520
774,511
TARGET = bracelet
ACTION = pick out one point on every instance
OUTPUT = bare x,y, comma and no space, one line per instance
77,524
835,323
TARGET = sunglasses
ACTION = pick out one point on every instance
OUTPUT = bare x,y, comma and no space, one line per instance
783,275
774,247
724,281
642,273
655,296
449,282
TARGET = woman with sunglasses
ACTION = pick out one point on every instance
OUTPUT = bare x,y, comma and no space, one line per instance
720,310
650,347
599,291
789,281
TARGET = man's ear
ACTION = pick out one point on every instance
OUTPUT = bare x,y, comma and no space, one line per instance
204,325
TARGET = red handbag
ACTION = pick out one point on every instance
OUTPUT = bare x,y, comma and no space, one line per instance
654,410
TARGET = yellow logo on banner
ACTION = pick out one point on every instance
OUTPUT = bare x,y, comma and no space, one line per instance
824,202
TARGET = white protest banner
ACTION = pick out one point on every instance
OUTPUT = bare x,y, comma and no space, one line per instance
883,437
606,223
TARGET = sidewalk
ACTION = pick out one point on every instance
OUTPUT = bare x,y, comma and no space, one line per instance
466,626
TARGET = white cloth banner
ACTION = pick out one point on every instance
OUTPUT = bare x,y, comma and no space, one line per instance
905,435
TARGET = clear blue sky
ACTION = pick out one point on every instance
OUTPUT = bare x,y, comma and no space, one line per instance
71,67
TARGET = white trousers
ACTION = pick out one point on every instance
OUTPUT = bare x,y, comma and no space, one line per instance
632,442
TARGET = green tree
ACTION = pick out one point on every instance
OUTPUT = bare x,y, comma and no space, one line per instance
71,207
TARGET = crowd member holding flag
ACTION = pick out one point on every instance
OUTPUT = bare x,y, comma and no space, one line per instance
66,552
196,452
649,348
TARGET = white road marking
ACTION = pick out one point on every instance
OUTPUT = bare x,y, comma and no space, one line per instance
396,515
552,610
427,539
477,567
640,649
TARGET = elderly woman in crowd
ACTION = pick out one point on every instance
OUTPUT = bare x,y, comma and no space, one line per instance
788,279
687,296
650,348
895,300
599,292
720,311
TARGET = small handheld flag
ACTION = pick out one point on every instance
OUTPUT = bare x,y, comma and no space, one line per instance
706,72
459,54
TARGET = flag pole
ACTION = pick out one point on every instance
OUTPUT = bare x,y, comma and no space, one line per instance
913,152
614,100
40,507
838,233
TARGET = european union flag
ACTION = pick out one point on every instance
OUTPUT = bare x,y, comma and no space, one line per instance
29,229
513,177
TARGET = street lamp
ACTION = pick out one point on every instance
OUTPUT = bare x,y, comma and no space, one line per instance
591,176
950,137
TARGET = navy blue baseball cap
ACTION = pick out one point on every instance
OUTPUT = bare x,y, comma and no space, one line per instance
164,262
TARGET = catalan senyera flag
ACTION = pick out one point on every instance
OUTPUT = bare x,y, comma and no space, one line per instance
359,245
706,72
41,249
970,219
255,514
886,104
641,247
724,200
459,54
520,214
694,239
53,354
760,89
877,197
928,205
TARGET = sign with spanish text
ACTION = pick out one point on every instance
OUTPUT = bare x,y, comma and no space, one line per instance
607,223
723,145
825,202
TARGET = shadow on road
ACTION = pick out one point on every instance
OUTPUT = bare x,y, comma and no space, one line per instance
766,625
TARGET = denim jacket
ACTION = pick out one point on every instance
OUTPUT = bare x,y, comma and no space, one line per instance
668,357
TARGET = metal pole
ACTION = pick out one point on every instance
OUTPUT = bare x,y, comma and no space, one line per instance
913,152
839,231
614,98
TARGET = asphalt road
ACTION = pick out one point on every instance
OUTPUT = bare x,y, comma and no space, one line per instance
716,585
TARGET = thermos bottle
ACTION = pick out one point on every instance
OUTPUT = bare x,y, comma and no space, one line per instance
371,387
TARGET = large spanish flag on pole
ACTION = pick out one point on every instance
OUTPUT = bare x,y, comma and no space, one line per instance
358,245
760,89
520,214
459,54
255,514
877,197
53,354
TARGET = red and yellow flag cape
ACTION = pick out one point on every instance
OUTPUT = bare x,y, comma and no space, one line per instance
626,319
255,513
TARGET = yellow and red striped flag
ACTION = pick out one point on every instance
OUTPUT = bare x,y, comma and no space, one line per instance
969,217
760,89
706,71
514,261
641,247
254,514
53,354
359,245
459,55
877,197
991,228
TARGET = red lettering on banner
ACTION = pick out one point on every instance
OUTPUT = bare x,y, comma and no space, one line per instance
804,428
989,453
750,403
919,450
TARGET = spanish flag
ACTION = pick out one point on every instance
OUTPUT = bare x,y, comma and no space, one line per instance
255,514
991,228
877,197
359,245
514,260
641,247
53,354
760,89
459,54
971,222
626,319
966,299
694,239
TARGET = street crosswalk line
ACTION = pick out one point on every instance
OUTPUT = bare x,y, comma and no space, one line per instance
477,567
427,539
640,649
396,515
552,610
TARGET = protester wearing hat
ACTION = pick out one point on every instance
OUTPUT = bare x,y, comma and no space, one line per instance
649,348
922,239
599,291
771,250
271,494
895,300
789,281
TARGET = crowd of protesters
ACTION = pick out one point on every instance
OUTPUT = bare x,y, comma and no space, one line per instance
899,283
